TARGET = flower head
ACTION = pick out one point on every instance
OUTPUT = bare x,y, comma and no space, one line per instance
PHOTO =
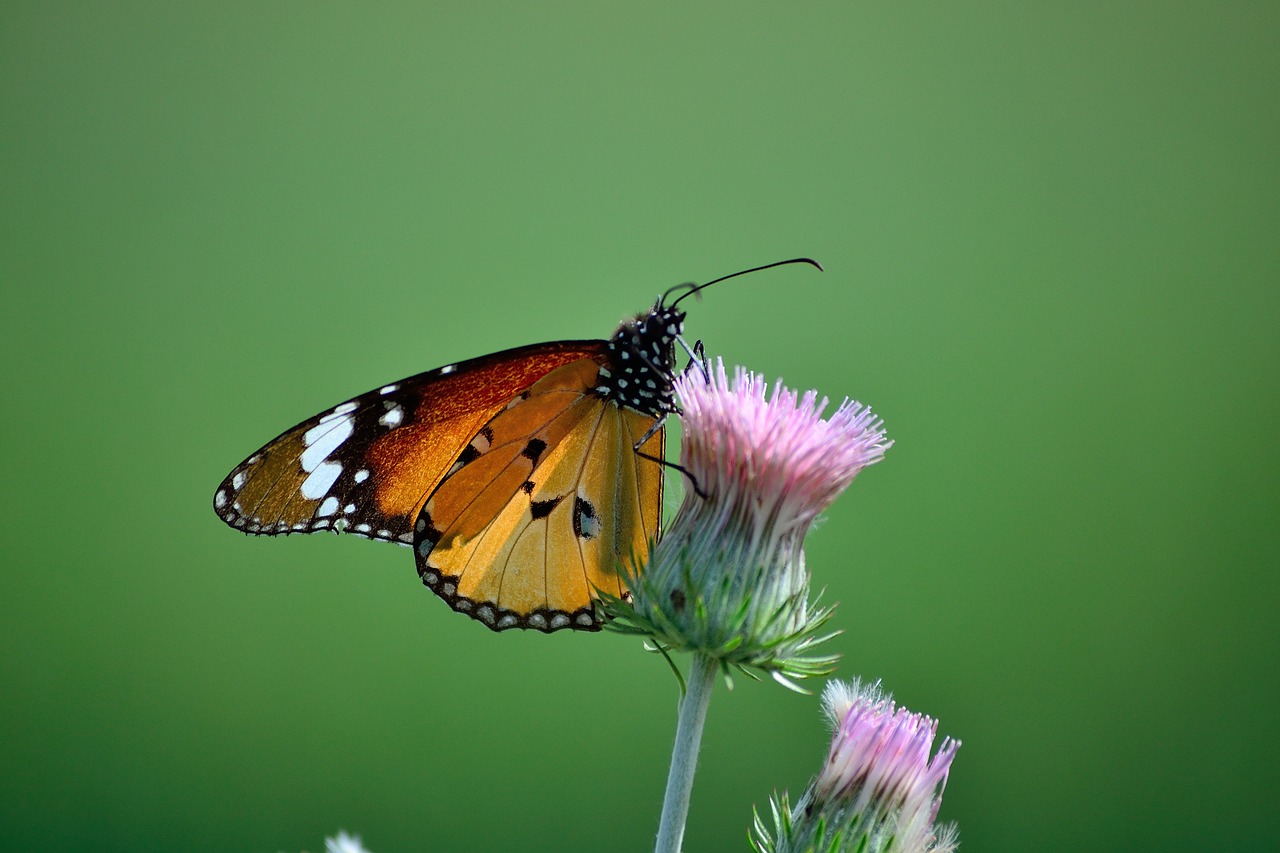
729,578
772,455
880,755
344,843
879,790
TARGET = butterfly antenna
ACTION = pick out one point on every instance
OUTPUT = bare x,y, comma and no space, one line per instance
694,288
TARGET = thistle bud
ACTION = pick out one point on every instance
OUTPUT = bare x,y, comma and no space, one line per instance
879,790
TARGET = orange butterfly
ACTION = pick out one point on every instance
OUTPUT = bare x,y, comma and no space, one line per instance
524,480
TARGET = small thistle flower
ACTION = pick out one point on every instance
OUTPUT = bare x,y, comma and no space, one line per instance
879,791
344,843
728,579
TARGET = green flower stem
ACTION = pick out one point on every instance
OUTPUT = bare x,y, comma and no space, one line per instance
684,758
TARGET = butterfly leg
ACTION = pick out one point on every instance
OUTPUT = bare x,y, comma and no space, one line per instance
657,425
698,356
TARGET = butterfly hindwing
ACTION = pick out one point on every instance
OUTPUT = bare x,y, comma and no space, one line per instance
549,503
367,465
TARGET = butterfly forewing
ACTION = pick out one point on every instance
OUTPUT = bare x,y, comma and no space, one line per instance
367,465
567,502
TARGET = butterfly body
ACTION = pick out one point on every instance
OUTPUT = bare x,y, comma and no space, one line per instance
523,480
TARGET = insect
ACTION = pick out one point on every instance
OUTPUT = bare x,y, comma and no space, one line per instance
523,480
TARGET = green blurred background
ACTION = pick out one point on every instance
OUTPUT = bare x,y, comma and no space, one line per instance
1052,248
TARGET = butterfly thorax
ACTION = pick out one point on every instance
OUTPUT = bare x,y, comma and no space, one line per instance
640,369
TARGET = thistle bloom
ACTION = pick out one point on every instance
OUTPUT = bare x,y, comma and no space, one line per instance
878,791
728,579
344,843
769,460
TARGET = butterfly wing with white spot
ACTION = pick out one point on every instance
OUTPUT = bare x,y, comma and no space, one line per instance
367,465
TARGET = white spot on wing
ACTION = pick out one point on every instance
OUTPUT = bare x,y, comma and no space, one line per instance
220,499
361,475
345,408
323,439
320,480
388,389
329,507
393,417
237,482
449,368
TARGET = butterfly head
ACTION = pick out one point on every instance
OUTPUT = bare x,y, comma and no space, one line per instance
640,361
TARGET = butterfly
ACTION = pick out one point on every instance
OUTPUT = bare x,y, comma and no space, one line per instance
524,480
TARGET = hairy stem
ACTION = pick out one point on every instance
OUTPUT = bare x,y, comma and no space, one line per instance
684,757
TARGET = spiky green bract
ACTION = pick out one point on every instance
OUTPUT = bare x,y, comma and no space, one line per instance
837,829
728,579
752,615
878,791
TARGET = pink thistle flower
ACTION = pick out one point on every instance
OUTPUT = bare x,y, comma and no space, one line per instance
879,790
772,455
728,580
879,759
